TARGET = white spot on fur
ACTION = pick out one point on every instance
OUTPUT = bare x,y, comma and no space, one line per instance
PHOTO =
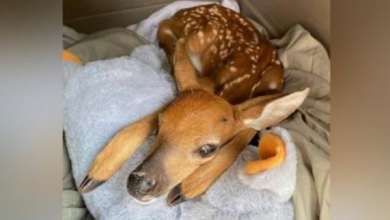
214,49
262,73
168,31
236,81
256,39
254,88
272,85
195,60
233,69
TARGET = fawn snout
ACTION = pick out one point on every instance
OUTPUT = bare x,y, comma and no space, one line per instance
146,182
141,186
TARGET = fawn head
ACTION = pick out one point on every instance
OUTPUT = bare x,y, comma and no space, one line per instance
196,125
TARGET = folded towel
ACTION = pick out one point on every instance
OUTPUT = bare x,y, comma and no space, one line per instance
104,96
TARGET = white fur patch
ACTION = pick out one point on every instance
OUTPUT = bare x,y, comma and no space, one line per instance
272,85
168,31
233,69
152,200
277,110
254,88
236,81
201,34
195,60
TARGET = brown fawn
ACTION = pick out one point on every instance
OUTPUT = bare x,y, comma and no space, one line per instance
230,82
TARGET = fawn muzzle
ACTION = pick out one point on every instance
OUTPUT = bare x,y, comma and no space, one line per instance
146,182
141,187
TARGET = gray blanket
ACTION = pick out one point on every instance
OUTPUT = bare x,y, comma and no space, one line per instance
307,64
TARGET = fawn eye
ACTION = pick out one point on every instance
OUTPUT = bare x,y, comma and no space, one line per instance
207,150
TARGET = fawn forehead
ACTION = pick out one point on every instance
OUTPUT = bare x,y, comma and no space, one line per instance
197,105
198,113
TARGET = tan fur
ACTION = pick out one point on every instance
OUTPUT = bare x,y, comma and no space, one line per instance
228,47
199,181
121,147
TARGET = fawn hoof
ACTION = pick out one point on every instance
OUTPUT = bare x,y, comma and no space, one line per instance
89,184
175,197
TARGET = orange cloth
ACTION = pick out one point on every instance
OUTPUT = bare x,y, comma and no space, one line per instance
272,152
68,56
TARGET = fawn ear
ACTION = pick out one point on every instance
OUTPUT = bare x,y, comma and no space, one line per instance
185,73
265,111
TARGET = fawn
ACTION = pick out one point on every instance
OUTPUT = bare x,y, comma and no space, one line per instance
230,81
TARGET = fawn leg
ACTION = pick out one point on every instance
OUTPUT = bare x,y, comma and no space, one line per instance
117,151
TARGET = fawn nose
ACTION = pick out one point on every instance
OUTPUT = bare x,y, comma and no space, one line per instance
146,186
139,186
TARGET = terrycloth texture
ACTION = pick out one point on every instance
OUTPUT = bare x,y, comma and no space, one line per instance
307,64
101,98
107,44
104,96
148,27
72,202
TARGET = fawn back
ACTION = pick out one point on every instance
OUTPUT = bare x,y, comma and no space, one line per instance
232,58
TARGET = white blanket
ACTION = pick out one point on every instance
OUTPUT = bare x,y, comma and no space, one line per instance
148,27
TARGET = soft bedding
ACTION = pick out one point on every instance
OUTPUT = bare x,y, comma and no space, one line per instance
104,96
306,64
72,202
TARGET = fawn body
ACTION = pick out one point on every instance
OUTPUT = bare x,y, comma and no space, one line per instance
230,82
231,57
